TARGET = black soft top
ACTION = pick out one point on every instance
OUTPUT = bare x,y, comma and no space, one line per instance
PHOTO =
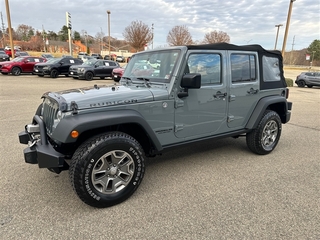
254,48
228,46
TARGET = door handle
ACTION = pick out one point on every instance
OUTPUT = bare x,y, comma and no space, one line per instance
219,95
253,91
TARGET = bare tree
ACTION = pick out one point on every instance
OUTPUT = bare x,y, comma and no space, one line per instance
216,37
137,35
24,32
179,36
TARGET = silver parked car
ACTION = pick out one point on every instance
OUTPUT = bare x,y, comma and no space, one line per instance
308,78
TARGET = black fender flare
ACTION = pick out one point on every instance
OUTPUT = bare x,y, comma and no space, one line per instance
85,122
277,103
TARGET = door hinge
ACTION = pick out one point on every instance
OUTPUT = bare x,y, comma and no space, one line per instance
178,127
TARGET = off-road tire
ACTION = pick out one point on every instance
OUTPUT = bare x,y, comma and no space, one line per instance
263,139
89,76
54,73
107,169
16,71
301,83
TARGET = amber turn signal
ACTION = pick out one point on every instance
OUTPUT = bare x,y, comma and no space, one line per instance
74,134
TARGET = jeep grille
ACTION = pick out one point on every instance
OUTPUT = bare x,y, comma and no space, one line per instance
50,109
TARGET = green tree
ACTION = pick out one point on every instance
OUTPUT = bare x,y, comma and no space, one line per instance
314,50
63,34
76,36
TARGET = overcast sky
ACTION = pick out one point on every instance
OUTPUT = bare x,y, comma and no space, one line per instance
245,21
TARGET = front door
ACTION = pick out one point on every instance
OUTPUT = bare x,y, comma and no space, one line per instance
204,111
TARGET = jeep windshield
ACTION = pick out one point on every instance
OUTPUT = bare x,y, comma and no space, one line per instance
155,66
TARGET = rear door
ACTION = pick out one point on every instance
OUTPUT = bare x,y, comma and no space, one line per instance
244,88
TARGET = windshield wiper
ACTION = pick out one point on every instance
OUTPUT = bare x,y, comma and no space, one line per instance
146,81
127,79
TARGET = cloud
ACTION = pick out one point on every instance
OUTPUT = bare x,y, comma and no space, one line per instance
245,21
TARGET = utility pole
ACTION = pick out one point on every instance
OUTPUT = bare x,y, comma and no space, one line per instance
287,28
10,30
3,32
292,50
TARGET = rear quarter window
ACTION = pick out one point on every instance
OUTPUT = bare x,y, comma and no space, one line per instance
271,69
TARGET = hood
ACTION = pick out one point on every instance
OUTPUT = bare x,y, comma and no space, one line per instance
103,96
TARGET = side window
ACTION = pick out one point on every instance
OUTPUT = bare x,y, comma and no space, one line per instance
271,69
243,68
208,65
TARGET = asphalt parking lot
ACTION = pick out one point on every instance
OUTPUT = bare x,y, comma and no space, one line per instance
217,190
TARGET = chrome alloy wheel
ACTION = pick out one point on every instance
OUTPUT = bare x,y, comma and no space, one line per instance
112,172
269,134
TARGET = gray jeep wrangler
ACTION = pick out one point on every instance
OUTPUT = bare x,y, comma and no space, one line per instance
102,134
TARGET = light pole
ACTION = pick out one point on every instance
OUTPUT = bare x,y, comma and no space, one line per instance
312,59
277,26
152,35
109,30
287,28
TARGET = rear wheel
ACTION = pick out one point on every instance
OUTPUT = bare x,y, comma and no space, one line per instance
107,169
301,83
16,71
265,137
54,73
89,76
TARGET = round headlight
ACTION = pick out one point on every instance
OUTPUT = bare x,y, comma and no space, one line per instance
59,115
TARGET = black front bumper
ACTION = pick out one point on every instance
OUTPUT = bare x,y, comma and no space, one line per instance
42,152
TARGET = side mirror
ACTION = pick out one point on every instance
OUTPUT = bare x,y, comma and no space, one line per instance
190,80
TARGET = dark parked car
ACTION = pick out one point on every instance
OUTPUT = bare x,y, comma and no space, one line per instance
96,55
93,68
21,54
107,57
117,73
309,79
47,56
4,56
20,65
55,67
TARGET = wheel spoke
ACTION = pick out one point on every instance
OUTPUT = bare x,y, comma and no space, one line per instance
269,133
113,172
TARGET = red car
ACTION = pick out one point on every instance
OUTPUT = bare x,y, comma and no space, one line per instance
117,73
20,65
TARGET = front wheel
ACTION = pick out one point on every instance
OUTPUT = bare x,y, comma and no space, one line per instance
16,71
89,76
301,83
265,137
107,169
54,73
